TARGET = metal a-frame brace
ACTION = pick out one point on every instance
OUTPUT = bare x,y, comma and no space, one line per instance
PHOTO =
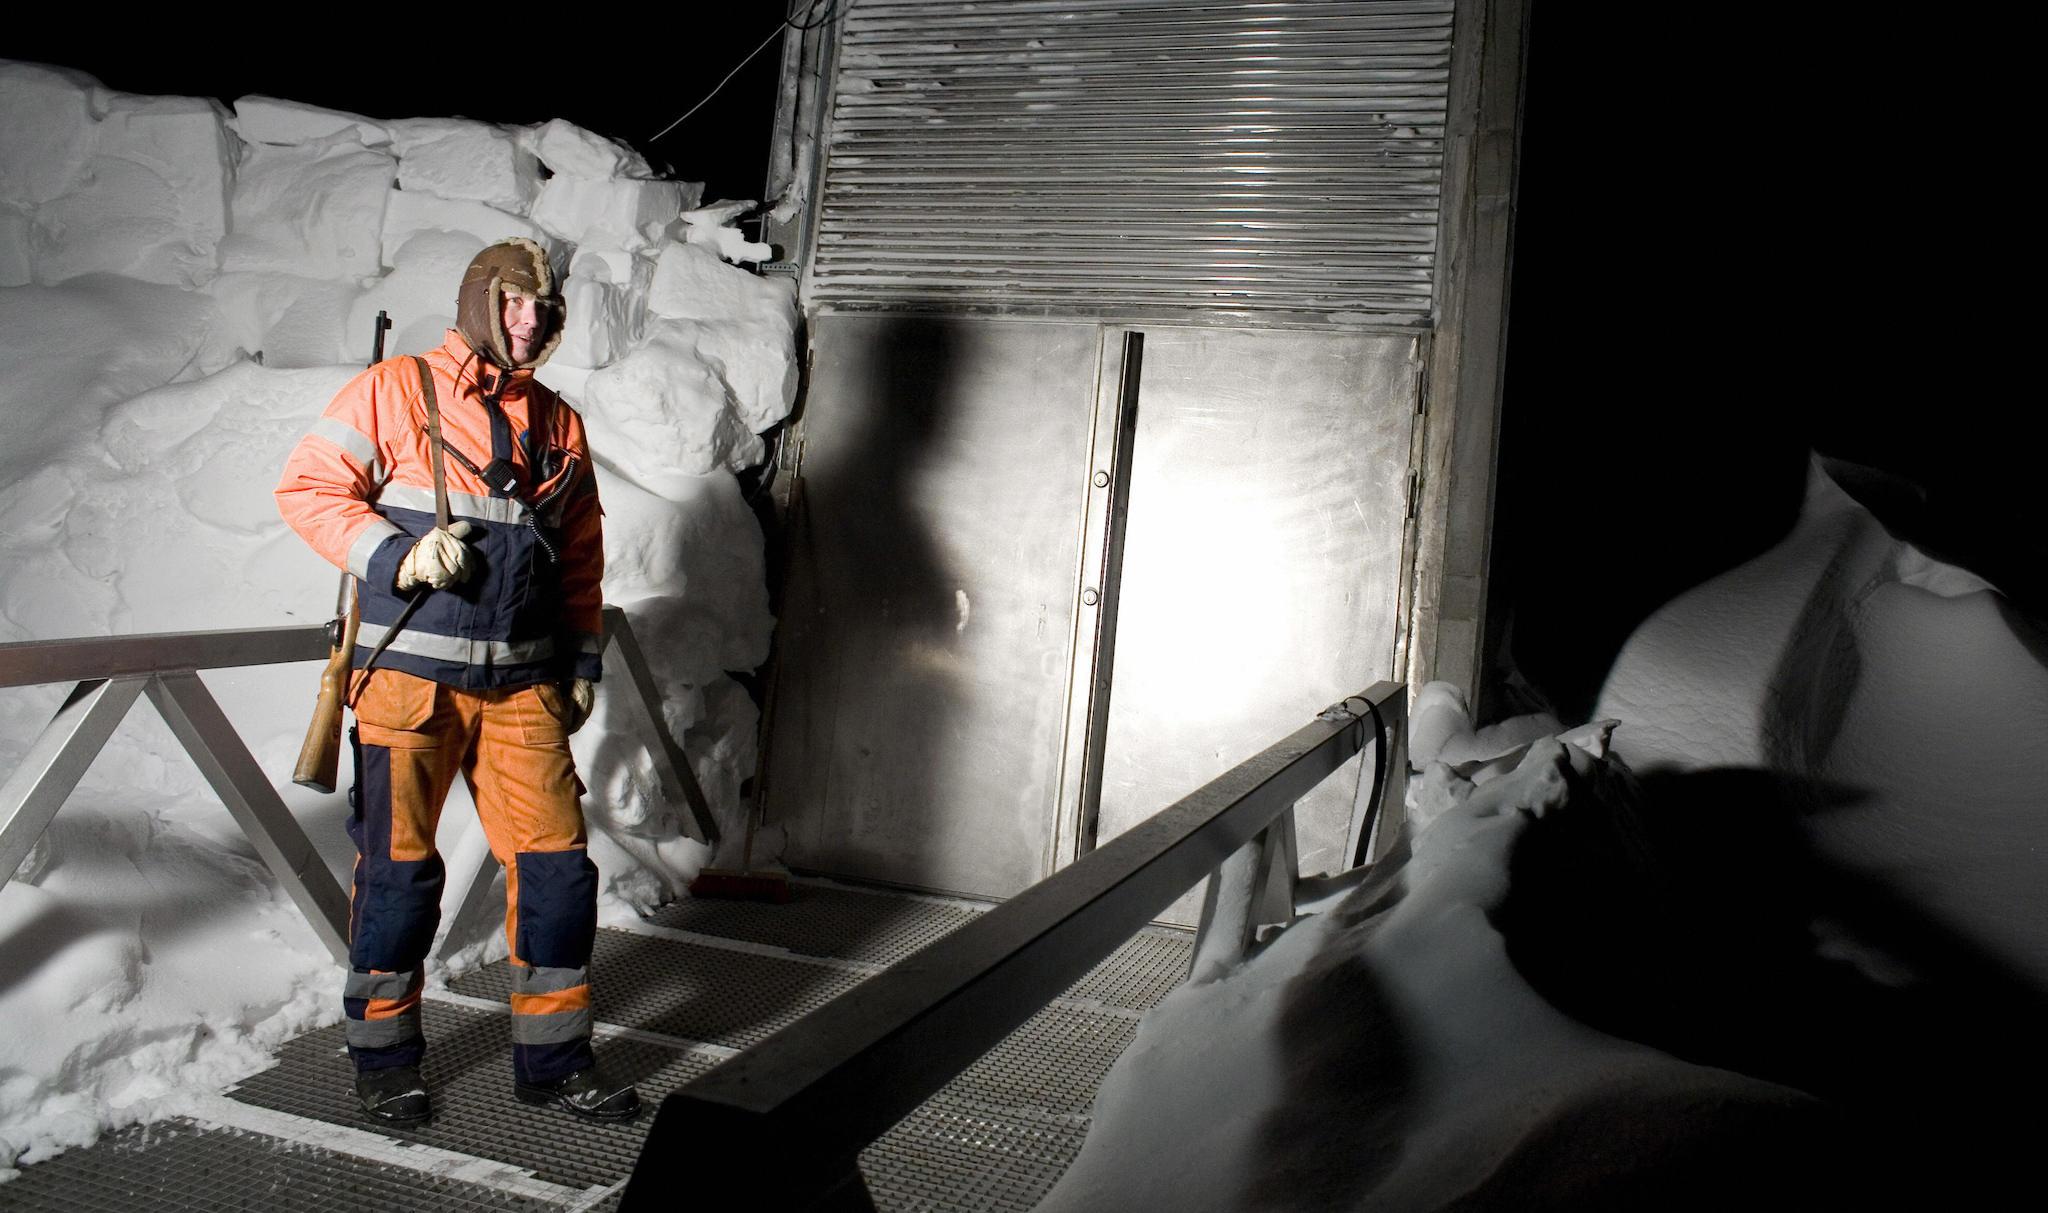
60,755
59,758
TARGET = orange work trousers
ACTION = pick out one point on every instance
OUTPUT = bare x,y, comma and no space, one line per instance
511,746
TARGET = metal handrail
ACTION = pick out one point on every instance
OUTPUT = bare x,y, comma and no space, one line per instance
111,672
787,1118
87,658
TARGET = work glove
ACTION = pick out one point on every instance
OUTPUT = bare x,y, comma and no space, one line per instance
582,701
440,559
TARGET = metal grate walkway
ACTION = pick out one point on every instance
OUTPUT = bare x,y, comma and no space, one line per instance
675,995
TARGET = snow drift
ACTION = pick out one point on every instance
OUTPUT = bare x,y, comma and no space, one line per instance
1780,956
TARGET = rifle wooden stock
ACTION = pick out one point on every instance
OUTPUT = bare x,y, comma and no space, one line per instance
320,753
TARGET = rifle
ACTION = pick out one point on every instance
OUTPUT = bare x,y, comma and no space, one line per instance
320,754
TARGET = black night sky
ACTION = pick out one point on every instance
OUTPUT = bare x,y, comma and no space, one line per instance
1737,239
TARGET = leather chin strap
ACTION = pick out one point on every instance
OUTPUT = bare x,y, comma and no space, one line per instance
441,518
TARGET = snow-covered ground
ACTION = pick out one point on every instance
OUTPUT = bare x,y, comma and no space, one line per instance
183,287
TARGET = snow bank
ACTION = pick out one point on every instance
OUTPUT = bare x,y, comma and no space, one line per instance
1795,961
184,288
1898,687
105,182
1389,1054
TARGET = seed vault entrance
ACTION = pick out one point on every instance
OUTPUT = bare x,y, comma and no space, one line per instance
1126,323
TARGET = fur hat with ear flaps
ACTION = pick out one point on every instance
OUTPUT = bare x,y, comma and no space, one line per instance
479,305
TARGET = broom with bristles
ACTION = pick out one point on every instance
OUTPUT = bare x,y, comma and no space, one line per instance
746,884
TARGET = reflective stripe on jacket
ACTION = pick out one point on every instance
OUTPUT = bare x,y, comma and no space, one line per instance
359,488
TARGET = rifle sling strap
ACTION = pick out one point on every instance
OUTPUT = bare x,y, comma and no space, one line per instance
441,518
434,442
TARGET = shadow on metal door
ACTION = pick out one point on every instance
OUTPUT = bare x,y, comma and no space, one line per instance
936,641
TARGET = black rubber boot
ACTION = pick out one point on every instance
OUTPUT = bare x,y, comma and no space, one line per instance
588,1093
395,1096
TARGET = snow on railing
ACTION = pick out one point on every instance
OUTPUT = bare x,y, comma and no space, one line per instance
788,1117
111,672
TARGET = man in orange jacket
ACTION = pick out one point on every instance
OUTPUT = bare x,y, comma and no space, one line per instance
480,623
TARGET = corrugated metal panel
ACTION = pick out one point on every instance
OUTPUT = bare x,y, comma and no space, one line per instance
1135,157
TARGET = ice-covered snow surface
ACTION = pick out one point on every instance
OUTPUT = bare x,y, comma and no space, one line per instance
1768,934
183,287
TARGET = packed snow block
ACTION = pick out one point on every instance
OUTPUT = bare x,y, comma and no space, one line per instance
469,161
43,595
287,123
691,283
661,416
46,131
598,323
419,295
1402,1058
614,267
570,151
627,213
1892,688
606,298
632,273
626,806
165,519
74,349
289,320
756,361
215,447
1438,715
571,383
728,736
409,213
152,202
689,569
1440,732
1733,671
712,227
313,209
747,327
15,227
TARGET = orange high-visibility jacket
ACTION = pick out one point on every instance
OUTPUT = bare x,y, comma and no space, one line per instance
359,488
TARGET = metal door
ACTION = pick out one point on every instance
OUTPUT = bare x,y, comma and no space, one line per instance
1261,562
928,627
939,637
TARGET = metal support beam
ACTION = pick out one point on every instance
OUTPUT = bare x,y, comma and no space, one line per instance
55,763
1250,889
671,764
205,732
1232,907
1110,578
112,670
1279,871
